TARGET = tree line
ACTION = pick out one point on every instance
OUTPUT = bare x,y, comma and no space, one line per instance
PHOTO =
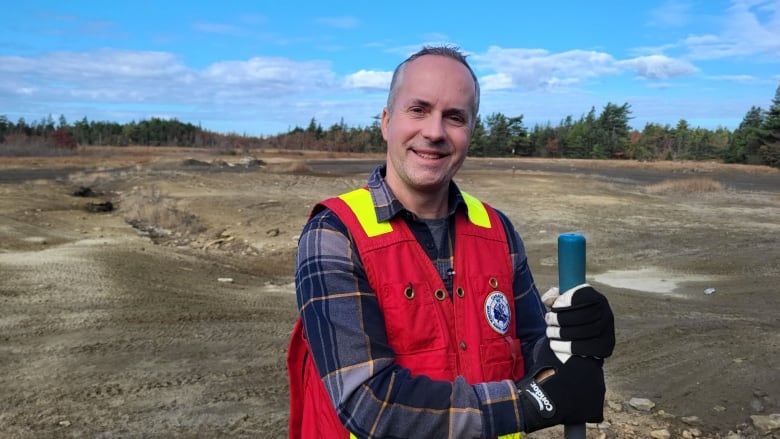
603,135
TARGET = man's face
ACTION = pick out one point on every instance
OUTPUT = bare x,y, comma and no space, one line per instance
429,129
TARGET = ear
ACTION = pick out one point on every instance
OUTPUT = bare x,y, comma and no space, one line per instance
385,122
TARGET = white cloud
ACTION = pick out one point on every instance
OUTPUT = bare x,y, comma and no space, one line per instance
369,80
105,63
750,28
103,75
498,81
539,69
744,79
111,63
15,64
658,67
260,94
157,78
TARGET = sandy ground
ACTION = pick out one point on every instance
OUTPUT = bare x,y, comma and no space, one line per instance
178,327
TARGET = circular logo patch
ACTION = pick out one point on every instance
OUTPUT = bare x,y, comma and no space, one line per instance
497,312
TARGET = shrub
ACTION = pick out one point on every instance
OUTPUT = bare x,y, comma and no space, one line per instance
20,145
64,139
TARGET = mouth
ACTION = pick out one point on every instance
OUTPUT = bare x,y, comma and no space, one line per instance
429,155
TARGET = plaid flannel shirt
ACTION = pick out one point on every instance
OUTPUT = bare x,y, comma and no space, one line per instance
345,329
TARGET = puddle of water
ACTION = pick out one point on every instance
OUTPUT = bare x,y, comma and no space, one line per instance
651,280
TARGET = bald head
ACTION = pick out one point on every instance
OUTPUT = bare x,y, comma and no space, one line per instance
445,51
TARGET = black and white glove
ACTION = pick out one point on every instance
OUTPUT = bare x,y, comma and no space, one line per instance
580,322
572,394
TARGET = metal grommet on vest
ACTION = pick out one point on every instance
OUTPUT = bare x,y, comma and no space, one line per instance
463,345
409,292
460,292
440,294
493,282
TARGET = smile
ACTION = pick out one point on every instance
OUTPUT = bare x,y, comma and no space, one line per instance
429,155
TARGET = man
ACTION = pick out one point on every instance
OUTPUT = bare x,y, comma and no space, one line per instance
419,315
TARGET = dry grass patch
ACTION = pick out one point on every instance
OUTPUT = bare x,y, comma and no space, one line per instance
695,185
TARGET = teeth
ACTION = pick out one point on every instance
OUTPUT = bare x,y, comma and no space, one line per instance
428,156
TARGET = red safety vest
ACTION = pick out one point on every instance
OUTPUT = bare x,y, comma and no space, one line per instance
471,334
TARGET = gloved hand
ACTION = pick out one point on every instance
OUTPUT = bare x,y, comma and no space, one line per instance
580,322
573,394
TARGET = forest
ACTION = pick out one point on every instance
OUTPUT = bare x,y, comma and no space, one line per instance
595,135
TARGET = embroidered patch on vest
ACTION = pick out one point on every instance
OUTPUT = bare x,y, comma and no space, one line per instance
497,312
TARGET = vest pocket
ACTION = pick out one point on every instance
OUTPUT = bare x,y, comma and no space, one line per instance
412,319
502,359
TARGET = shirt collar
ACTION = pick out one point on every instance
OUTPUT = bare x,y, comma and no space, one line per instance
387,205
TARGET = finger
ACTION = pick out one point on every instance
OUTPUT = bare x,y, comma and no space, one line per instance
549,297
551,318
579,332
581,295
571,291
600,347
561,349
575,317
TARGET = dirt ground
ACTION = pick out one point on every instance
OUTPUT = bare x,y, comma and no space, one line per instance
170,315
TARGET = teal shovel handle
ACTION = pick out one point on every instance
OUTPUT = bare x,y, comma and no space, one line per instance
571,272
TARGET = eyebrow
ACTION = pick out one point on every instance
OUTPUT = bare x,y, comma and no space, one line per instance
417,102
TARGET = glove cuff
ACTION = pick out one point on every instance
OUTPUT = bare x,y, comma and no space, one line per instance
538,409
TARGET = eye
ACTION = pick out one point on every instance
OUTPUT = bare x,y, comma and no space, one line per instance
457,118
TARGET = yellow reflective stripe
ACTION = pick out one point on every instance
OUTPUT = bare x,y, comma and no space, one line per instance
352,436
477,213
361,204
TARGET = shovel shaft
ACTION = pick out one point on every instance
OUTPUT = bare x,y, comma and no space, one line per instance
571,272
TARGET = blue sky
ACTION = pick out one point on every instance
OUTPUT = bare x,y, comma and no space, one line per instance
262,67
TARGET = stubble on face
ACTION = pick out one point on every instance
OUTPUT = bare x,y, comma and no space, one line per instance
429,129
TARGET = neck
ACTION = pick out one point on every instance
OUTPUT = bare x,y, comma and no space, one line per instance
427,205
429,202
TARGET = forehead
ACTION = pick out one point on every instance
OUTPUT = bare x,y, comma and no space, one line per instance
438,79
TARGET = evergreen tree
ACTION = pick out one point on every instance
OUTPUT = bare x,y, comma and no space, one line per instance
746,139
613,131
542,140
769,150
5,127
518,135
499,138
478,139
682,136
574,137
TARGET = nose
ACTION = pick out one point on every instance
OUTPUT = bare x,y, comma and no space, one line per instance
433,128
